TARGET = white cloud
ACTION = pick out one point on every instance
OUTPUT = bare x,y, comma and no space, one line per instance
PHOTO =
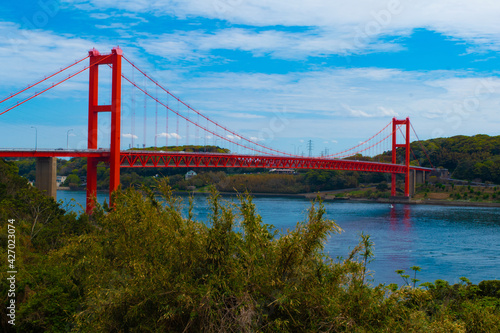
129,135
333,26
114,26
315,100
29,55
169,135
244,115
387,112
356,113
194,45
328,100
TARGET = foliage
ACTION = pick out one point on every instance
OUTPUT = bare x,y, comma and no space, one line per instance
44,290
188,148
468,158
145,266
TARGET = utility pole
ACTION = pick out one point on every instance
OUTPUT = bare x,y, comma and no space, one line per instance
310,147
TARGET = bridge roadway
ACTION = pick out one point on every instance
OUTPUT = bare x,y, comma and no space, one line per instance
159,159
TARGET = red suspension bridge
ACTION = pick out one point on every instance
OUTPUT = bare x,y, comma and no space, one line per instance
170,111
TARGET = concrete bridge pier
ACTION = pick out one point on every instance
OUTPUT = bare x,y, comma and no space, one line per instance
46,176
416,177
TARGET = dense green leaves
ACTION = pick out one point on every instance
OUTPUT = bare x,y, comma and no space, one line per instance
147,266
469,158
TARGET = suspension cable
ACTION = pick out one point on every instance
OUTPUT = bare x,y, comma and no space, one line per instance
201,114
45,79
53,85
422,146
362,143
359,151
189,120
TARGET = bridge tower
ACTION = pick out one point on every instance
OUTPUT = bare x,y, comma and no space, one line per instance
115,61
406,145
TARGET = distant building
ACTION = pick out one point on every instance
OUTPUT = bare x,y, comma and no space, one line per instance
60,180
190,174
283,171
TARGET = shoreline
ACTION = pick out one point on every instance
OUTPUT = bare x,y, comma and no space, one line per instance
324,197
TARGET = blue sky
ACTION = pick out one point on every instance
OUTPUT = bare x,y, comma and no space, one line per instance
279,72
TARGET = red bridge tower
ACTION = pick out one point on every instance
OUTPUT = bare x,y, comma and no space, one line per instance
115,61
406,145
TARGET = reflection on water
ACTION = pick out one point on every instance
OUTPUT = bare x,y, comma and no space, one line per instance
401,238
446,242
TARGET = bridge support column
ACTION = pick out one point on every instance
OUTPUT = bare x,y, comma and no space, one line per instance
421,177
91,183
406,145
46,175
115,60
413,181
417,177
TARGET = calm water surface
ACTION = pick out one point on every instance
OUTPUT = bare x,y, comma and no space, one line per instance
446,242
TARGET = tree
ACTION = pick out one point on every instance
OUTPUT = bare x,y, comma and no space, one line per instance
382,186
72,181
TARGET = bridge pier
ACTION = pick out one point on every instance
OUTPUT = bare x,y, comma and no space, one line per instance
416,177
46,176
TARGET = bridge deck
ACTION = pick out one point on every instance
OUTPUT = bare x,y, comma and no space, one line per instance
148,158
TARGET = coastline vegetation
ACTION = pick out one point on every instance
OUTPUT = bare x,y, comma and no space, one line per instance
143,266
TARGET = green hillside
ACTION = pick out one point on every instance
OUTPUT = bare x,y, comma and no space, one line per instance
466,157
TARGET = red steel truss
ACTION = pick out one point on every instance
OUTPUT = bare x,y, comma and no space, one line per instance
159,159
168,159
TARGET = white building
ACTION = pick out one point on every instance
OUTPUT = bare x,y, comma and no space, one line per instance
190,174
60,180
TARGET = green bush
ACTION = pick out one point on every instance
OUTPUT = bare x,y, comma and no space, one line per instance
144,266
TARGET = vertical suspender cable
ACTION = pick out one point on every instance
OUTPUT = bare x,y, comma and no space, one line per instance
177,130
166,129
132,125
156,119
145,115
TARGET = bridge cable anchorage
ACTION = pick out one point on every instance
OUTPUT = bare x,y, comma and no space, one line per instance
52,86
44,79
203,128
201,114
362,143
422,146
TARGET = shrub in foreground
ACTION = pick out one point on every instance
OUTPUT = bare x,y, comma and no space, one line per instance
145,266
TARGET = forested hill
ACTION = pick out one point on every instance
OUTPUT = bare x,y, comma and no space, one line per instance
466,157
